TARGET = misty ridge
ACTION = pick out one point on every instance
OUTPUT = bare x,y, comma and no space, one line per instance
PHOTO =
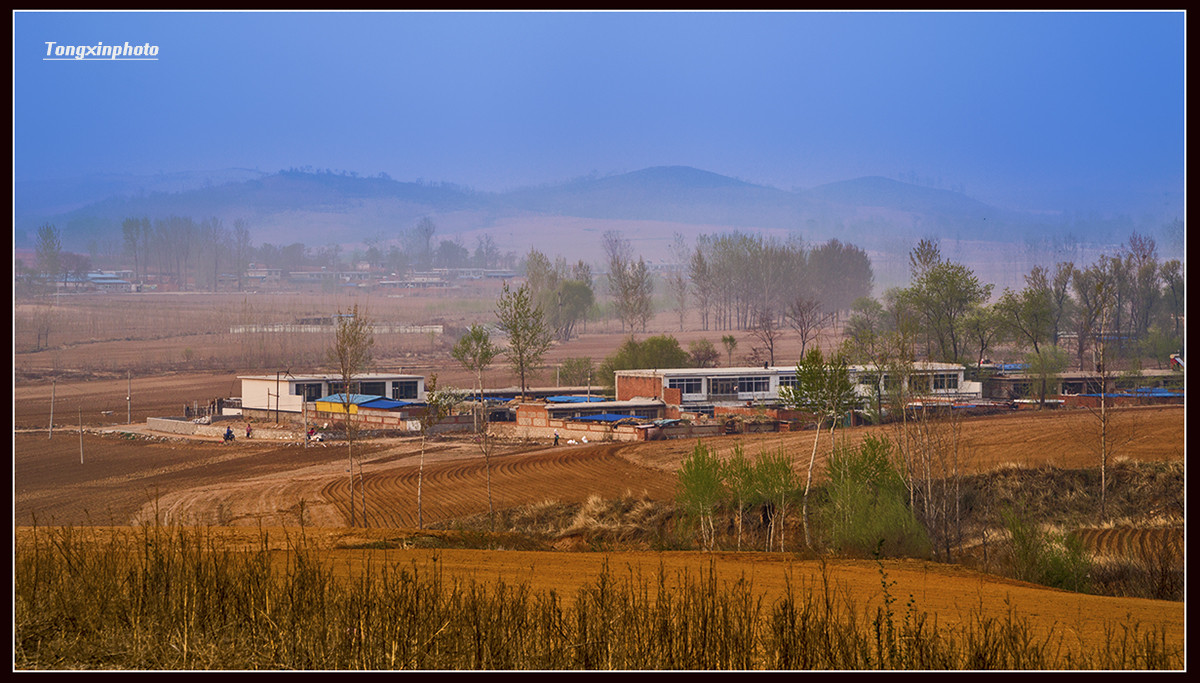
884,216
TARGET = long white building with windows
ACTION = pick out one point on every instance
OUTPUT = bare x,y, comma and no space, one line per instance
286,394
702,389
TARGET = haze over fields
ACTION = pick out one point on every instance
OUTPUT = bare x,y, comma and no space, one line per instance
1010,136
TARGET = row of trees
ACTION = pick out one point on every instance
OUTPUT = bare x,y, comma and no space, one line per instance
741,281
186,250
1130,300
629,282
564,293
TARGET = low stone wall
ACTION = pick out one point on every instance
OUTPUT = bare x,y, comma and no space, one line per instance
690,431
186,427
392,421
172,425
569,429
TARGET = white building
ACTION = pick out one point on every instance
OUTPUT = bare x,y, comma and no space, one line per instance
700,389
286,394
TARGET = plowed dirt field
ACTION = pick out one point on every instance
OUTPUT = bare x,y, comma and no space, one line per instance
110,479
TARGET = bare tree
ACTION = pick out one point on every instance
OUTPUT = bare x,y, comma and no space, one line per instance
677,280
351,353
49,253
805,316
486,446
767,331
241,249
1105,301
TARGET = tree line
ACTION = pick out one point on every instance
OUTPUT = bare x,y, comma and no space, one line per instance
1129,302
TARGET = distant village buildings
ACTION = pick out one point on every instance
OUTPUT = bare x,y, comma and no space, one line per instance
655,404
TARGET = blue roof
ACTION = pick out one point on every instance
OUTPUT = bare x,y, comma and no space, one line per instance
1157,391
607,417
356,399
573,399
1141,392
382,403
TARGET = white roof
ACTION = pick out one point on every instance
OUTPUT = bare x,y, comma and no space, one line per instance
927,366
333,377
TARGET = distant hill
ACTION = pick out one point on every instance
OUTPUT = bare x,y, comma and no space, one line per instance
649,204
893,194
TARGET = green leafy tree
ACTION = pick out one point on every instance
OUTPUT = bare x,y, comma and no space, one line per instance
1173,295
868,503
942,293
1159,344
1029,314
982,328
700,489
742,484
660,351
775,481
576,371
1046,365
703,354
572,299
528,335
730,343
823,389
476,352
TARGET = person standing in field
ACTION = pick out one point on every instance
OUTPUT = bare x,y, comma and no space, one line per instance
247,430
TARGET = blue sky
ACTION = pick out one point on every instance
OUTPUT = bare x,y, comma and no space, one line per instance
1025,110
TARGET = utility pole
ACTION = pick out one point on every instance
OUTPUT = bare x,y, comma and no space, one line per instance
128,399
53,384
80,433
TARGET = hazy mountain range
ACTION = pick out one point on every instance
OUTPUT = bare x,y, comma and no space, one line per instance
649,206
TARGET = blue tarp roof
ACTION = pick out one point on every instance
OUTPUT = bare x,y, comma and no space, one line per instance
370,401
607,417
387,404
1158,391
573,399
1141,392
356,399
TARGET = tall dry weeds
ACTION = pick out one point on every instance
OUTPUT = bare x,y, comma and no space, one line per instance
173,598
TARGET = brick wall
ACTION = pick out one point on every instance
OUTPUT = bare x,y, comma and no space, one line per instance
629,388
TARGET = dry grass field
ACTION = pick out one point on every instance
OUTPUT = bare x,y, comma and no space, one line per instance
176,350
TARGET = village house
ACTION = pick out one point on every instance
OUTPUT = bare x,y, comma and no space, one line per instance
282,395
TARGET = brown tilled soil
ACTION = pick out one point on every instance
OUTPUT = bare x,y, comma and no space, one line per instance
124,479
127,475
